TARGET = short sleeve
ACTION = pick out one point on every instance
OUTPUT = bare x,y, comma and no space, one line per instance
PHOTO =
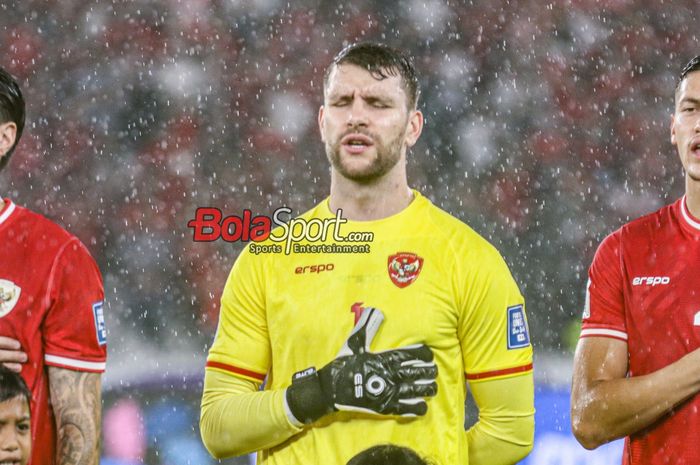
241,346
73,331
603,313
493,328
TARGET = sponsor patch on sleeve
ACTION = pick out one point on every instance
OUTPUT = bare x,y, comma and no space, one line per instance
100,330
518,335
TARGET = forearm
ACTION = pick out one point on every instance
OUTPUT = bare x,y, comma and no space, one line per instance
76,403
500,441
237,419
505,431
605,410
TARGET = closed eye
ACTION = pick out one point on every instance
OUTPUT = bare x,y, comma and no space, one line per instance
341,102
377,103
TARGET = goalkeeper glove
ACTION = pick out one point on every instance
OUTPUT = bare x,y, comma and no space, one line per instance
392,382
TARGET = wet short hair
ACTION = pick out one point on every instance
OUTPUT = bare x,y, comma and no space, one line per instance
12,385
12,109
692,66
381,61
387,454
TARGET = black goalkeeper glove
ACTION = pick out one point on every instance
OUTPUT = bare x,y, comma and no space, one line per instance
392,382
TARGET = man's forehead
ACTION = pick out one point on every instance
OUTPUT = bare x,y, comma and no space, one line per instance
349,78
690,85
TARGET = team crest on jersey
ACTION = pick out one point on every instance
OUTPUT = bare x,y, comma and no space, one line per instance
404,268
518,335
9,295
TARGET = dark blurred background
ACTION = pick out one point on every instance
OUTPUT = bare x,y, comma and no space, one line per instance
547,127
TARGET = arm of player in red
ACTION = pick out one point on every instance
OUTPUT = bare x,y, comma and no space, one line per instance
77,404
11,354
606,404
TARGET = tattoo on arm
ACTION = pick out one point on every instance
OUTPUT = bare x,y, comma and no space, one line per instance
76,403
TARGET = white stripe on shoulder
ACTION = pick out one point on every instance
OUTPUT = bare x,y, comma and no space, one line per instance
686,215
604,332
8,211
71,362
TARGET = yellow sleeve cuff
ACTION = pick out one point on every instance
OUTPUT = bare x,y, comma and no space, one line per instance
238,419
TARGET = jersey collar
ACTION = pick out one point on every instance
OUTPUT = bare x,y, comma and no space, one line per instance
416,202
689,219
7,210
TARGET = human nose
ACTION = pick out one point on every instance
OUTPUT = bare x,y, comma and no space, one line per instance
9,440
357,115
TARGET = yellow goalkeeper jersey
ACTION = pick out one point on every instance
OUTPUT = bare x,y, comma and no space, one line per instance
436,281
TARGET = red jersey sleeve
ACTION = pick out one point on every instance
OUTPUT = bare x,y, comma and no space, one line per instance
74,329
604,312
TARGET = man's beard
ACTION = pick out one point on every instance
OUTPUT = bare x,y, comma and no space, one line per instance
386,157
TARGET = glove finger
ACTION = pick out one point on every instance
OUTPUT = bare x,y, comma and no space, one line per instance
421,388
415,370
416,351
355,408
414,407
363,333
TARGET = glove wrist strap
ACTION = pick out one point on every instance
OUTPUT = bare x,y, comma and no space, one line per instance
306,398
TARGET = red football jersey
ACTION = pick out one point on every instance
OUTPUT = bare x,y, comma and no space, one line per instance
51,299
643,289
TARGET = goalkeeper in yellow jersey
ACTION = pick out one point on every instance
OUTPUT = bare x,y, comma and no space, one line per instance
377,346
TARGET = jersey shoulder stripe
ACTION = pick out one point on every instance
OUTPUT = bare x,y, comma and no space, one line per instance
504,373
259,377
604,332
74,364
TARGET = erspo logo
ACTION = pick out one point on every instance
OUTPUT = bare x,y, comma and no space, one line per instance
314,268
650,280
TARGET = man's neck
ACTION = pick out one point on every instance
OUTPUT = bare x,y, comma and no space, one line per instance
367,202
692,196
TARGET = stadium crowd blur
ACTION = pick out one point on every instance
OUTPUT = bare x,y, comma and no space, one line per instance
547,126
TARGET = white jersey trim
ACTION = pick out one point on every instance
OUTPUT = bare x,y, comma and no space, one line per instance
604,332
8,211
71,362
686,215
